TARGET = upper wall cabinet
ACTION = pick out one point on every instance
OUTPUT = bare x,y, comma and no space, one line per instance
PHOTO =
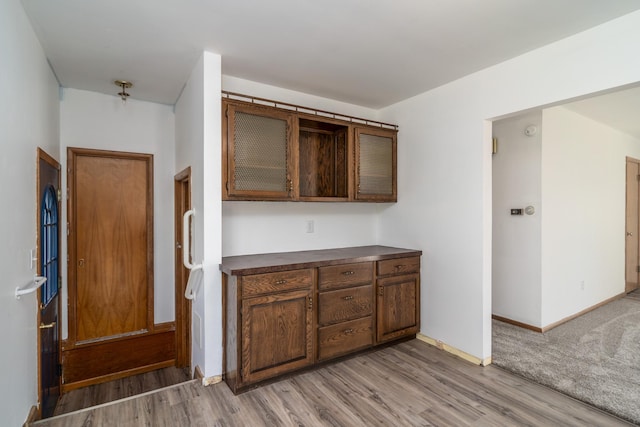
273,153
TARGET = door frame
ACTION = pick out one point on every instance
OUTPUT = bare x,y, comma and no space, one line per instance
632,222
182,203
42,155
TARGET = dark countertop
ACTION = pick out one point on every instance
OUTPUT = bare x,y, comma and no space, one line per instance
269,263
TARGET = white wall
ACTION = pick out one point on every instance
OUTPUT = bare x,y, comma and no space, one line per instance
444,155
198,136
98,121
583,222
516,254
29,118
258,227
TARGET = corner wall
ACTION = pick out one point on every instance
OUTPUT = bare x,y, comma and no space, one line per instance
516,254
583,222
29,118
198,136
444,167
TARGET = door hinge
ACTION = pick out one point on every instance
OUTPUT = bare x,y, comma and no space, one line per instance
59,195
59,283
59,369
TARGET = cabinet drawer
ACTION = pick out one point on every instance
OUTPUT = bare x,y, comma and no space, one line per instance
343,338
258,284
399,266
345,304
339,276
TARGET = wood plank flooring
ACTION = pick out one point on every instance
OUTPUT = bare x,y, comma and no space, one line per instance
409,384
118,389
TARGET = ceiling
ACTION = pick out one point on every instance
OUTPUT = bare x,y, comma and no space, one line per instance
371,53
619,110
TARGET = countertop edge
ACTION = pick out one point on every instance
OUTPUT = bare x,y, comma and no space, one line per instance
243,265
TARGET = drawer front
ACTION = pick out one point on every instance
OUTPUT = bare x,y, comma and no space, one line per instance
345,304
399,266
343,338
258,284
340,276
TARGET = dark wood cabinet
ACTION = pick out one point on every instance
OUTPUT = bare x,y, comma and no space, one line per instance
398,298
287,311
272,153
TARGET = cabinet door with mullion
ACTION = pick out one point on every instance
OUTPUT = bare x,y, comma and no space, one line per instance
260,164
376,164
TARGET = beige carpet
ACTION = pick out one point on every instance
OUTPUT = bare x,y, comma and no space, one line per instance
594,358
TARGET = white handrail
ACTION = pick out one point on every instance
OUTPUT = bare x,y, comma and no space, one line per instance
186,244
196,272
32,287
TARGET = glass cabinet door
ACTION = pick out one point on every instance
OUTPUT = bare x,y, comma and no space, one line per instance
259,153
376,165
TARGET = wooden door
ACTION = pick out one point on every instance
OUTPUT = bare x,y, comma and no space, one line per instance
397,308
632,261
49,267
276,334
110,244
182,203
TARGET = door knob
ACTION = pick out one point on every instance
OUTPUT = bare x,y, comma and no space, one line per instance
629,233
47,326
81,262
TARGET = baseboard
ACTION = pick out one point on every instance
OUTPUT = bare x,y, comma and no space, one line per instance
580,313
102,361
206,381
559,322
455,351
32,417
516,323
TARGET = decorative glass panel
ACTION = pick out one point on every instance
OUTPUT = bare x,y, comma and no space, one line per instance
376,164
260,153
49,245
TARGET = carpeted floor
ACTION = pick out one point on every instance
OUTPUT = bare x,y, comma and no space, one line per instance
594,358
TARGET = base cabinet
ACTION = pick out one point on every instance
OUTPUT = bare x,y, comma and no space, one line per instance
278,322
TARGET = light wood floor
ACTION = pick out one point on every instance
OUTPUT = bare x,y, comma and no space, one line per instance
98,394
409,384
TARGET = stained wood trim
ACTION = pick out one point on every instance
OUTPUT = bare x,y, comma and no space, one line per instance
182,203
116,376
118,358
72,154
44,156
516,323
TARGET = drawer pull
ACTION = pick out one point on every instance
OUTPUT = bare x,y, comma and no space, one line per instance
348,331
310,303
281,282
398,267
348,273
348,298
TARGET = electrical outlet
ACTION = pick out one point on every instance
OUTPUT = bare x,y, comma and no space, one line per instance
310,226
